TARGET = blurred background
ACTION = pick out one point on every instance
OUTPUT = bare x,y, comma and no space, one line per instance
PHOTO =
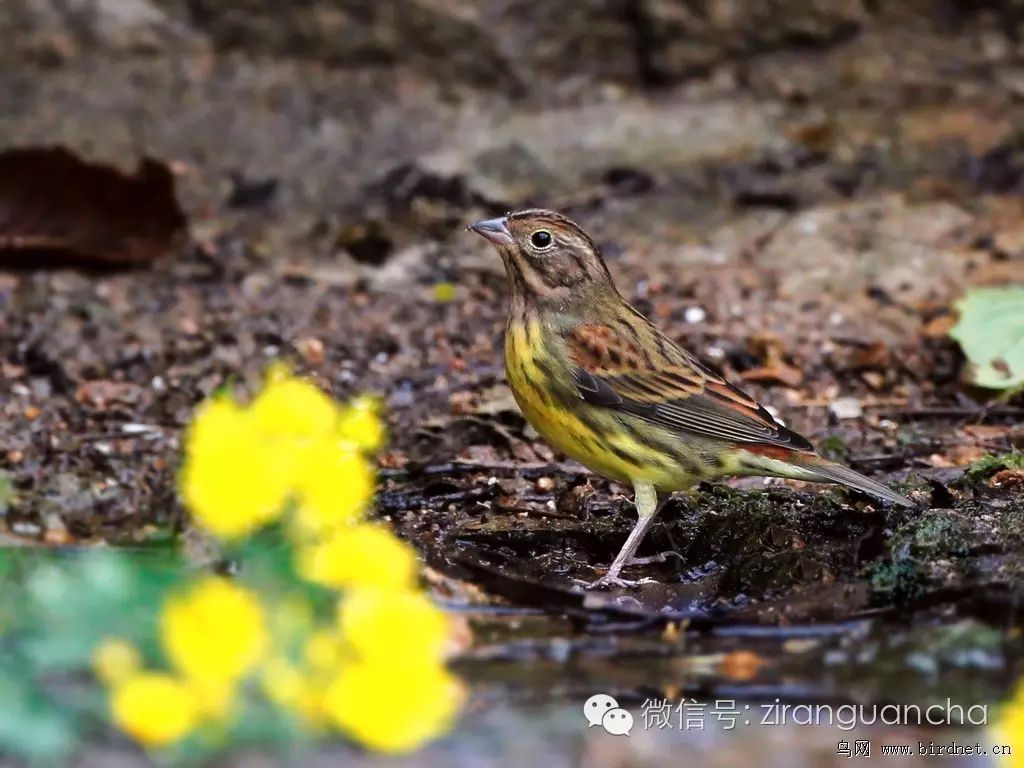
798,190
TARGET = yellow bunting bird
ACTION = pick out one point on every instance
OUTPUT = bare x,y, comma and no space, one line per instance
600,383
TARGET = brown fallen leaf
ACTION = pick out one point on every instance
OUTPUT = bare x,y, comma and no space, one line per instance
962,455
940,326
57,210
1008,478
779,373
101,392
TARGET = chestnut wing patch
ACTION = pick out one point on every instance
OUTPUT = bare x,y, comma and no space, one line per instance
662,384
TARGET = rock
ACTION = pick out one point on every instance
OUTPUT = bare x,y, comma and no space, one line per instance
364,33
683,39
887,245
523,155
55,30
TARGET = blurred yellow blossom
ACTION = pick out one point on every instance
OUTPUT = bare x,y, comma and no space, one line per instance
243,464
154,709
1009,730
444,292
115,660
213,633
361,425
290,408
376,673
392,707
334,486
394,627
232,481
365,555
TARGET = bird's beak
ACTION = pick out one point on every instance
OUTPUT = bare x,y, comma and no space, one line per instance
495,230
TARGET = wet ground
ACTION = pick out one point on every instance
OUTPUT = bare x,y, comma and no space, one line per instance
797,193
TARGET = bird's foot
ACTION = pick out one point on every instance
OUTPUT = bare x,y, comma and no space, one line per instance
613,581
659,558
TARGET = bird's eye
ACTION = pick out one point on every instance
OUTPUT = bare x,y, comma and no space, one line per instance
541,238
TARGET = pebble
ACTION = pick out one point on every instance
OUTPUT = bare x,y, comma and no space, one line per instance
134,428
311,349
24,528
846,408
694,315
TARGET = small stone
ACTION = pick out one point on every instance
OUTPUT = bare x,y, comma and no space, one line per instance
311,349
694,315
133,428
545,484
846,408
25,528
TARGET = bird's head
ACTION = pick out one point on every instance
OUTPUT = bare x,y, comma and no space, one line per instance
548,257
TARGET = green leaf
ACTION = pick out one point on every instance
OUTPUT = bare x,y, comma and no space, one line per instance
31,726
991,332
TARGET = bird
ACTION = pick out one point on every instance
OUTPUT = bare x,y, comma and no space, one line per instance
604,386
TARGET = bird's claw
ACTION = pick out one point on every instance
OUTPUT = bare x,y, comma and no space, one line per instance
614,581
659,558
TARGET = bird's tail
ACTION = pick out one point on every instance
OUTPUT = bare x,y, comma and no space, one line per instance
818,470
830,472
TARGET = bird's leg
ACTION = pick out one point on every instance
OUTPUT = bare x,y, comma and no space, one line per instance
647,507
661,557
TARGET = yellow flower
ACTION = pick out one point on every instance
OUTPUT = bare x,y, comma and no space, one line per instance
366,555
290,408
1010,730
361,425
396,628
233,481
154,709
115,660
393,708
214,633
334,485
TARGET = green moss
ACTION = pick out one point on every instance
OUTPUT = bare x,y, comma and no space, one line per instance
936,534
987,466
898,582
834,447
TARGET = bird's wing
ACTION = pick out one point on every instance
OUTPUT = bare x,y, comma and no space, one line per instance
634,368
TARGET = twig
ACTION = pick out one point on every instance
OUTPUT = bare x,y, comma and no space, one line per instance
950,412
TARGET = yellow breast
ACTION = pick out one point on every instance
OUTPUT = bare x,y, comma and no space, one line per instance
592,436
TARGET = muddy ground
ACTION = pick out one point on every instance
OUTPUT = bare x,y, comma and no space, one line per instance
797,191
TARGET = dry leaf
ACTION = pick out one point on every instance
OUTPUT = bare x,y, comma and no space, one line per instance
57,210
